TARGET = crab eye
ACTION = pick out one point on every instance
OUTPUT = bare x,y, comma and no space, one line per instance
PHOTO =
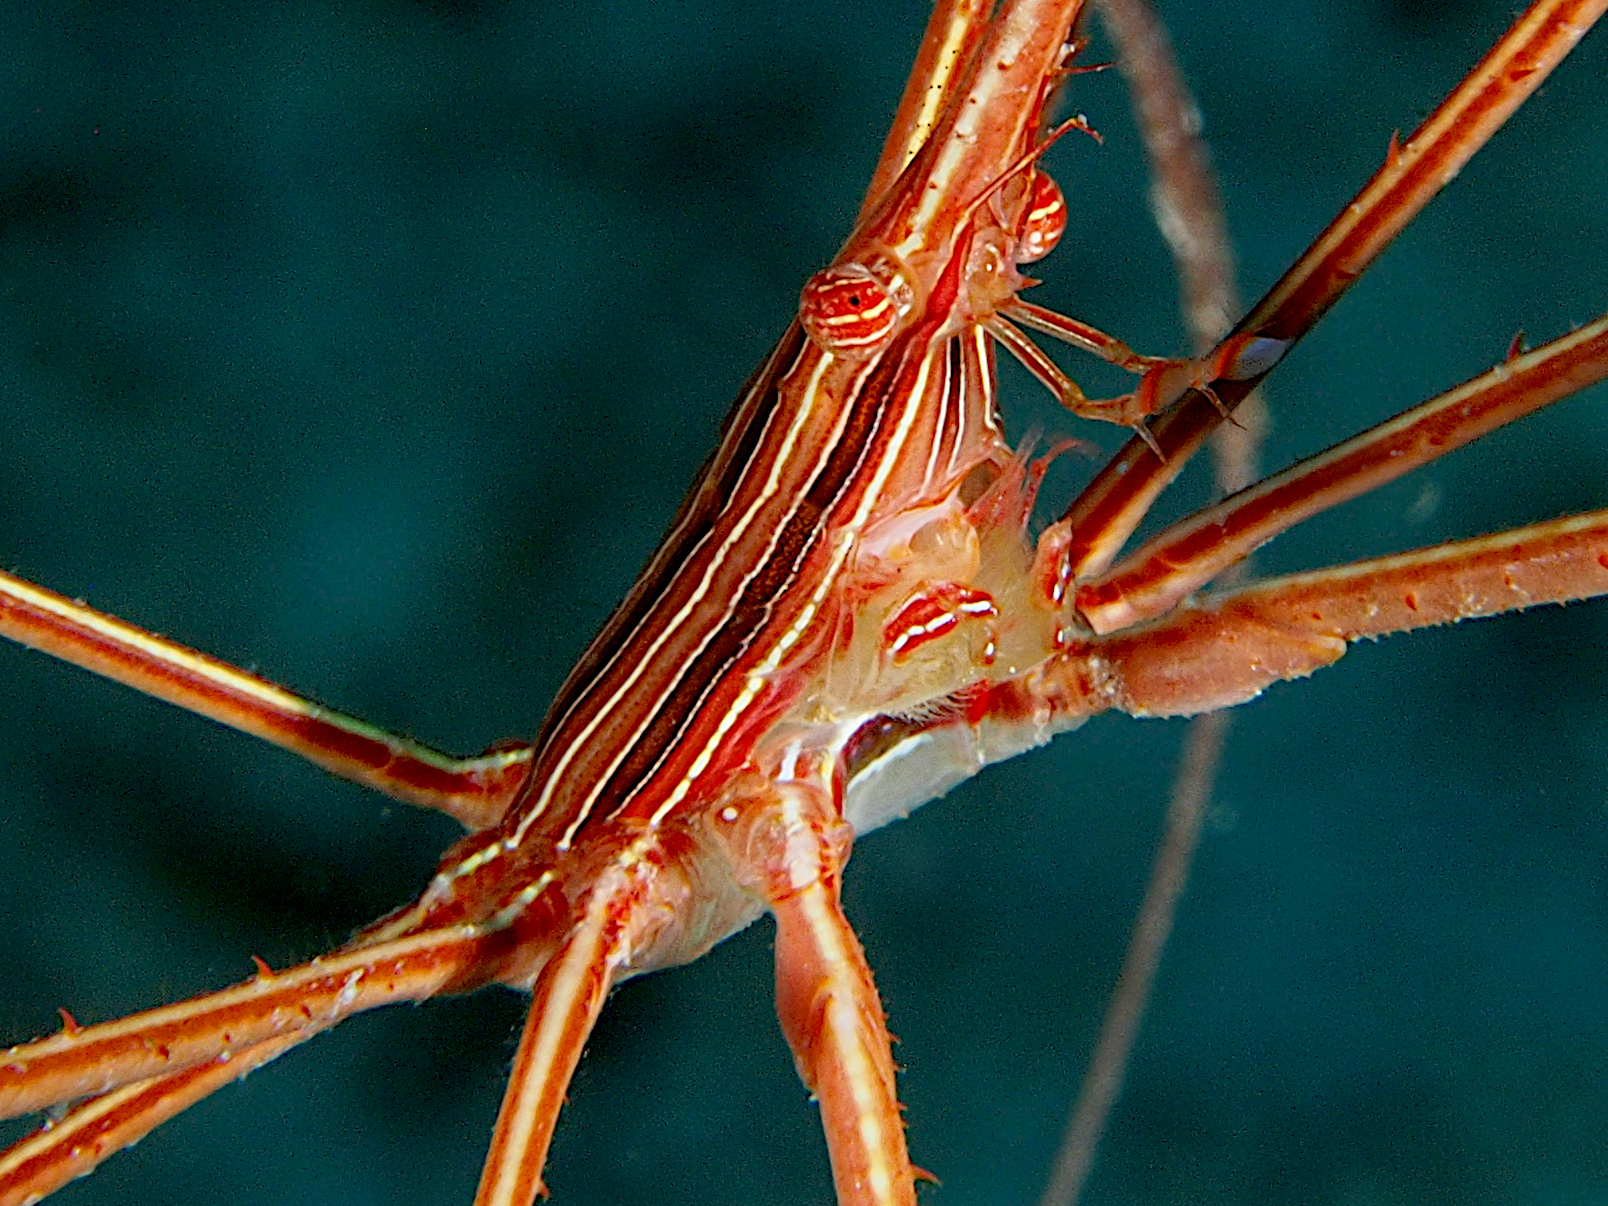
1043,220
847,311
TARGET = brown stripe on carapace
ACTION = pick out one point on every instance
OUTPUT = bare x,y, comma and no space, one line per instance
712,489
691,698
837,489
756,610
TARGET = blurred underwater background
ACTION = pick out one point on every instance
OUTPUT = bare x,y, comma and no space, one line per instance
372,345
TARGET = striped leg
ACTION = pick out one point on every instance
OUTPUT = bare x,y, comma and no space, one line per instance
135,1073
568,996
1226,649
100,1127
83,1061
790,847
474,791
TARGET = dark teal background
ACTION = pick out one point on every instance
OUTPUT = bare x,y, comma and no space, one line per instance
371,346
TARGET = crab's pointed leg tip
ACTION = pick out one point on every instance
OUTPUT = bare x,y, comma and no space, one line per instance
1143,432
1210,395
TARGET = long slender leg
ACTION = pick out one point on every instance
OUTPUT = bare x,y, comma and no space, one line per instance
568,996
475,791
140,1071
1190,553
80,1061
1228,649
102,1126
790,847
1188,208
1106,513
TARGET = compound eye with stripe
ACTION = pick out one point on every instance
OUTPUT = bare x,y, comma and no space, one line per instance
848,311
1043,220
